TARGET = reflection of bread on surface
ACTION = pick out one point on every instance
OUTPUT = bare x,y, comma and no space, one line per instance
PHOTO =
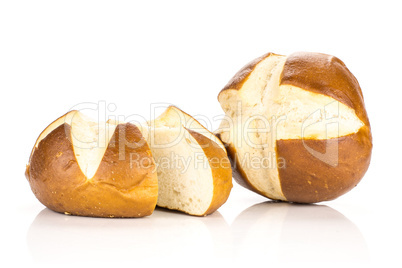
55,237
296,232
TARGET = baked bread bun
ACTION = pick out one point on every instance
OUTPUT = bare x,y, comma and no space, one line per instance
194,173
86,168
80,167
296,127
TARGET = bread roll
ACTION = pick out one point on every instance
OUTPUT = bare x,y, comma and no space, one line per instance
296,127
86,168
80,167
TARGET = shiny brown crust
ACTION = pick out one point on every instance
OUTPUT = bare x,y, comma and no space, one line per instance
118,189
327,75
307,179
241,76
221,170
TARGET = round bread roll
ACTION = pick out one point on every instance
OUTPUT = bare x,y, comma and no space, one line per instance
86,168
296,127
81,167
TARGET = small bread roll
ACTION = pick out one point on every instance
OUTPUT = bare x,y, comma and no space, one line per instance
86,168
296,127
81,167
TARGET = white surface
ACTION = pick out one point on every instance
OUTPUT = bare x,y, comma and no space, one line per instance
56,55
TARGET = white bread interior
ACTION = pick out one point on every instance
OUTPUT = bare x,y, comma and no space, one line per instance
90,141
263,111
185,178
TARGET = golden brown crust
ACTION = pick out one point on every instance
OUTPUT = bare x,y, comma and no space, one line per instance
58,183
307,179
46,129
221,170
241,76
327,75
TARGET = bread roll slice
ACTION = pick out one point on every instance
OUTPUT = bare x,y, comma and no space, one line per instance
194,173
82,167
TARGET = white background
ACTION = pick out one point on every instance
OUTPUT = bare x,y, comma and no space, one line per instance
57,54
